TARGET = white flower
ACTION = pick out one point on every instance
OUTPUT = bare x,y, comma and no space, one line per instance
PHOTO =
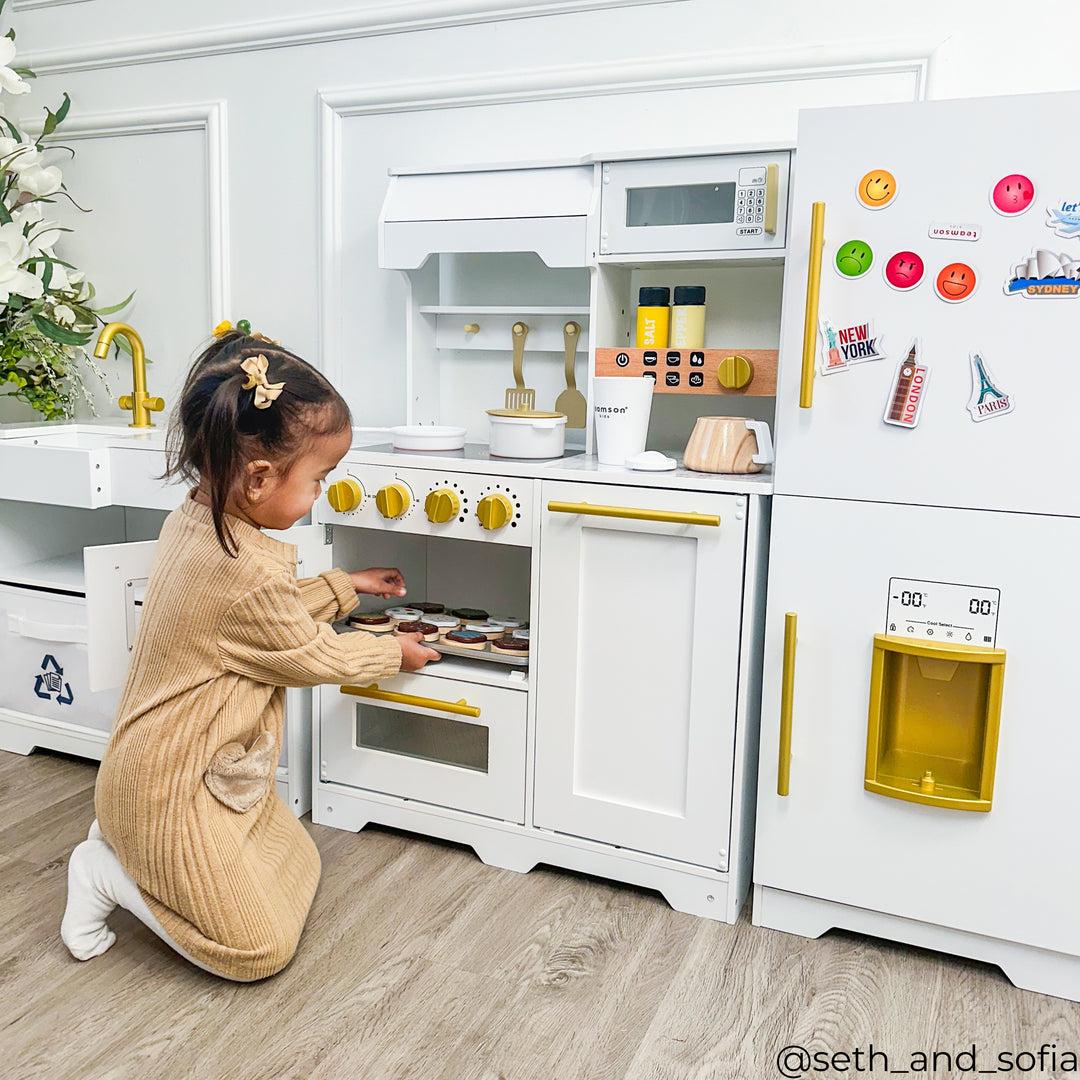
63,314
9,81
39,180
19,153
14,250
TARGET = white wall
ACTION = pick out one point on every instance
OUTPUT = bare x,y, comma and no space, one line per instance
214,159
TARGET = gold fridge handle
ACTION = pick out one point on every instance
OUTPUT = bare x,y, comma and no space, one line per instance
672,517
460,708
787,704
813,289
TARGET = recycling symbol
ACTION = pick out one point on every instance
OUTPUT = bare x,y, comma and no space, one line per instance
51,681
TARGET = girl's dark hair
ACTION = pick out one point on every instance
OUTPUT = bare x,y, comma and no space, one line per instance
217,430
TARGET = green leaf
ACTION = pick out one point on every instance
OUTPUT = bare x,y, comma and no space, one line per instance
50,124
115,307
5,215
7,123
63,110
46,276
26,73
60,333
11,33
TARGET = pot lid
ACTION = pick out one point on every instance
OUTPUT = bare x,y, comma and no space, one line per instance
528,414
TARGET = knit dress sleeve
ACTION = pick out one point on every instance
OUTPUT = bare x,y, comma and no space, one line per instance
269,635
329,596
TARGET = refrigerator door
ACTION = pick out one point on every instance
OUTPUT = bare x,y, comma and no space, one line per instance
946,159
1001,873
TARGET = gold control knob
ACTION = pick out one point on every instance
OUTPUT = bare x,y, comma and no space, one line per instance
494,511
344,495
392,500
734,372
442,505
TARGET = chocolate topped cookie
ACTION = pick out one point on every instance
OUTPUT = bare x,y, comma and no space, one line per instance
515,646
429,608
465,639
376,622
430,632
470,614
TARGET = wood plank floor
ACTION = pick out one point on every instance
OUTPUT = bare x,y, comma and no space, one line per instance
419,961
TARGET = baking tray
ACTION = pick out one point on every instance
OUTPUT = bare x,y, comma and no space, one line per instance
479,654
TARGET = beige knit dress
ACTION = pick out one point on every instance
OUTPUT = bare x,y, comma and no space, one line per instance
185,793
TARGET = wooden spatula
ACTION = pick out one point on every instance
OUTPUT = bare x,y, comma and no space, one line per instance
571,401
519,397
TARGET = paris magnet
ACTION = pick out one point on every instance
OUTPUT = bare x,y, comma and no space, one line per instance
987,398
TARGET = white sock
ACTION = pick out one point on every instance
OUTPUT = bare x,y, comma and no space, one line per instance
97,884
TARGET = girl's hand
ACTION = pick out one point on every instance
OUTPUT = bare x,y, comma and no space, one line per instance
384,581
414,653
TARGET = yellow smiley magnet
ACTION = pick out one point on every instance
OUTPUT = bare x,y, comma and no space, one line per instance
877,189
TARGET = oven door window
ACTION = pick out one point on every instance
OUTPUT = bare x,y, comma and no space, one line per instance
426,738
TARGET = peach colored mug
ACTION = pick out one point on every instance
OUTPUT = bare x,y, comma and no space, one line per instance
728,444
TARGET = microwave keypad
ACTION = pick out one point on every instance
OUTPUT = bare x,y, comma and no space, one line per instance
749,205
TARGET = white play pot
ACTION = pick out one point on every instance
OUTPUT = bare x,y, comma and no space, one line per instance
427,437
520,434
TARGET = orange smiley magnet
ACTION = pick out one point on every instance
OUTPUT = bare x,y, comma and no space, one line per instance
877,189
955,282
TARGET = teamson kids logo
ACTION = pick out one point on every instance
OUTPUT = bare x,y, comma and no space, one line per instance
848,345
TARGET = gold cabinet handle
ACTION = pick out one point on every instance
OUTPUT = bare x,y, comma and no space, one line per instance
671,516
459,708
813,290
787,704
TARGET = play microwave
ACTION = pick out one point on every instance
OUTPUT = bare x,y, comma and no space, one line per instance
721,202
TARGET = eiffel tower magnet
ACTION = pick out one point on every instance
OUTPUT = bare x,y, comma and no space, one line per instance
987,399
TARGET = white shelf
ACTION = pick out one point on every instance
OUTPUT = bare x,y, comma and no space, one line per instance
690,259
61,572
517,312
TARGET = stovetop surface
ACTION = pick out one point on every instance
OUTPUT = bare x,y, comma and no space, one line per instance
470,452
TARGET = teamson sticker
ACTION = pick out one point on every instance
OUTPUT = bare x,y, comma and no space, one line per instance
847,345
908,389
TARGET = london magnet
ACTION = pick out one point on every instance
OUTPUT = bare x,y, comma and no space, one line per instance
908,388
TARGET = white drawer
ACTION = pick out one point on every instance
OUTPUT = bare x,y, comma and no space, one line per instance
43,659
420,738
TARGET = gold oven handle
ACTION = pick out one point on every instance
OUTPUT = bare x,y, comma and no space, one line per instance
670,516
460,708
787,704
813,290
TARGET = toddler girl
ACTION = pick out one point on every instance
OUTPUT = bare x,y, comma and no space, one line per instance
190,835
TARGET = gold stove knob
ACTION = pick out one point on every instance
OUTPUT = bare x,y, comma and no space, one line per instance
734,372
344,495
393,500
494,511
442,505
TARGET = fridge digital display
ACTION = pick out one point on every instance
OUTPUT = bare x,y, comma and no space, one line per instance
683,204
942,611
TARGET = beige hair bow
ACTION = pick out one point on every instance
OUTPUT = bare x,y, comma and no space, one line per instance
265,392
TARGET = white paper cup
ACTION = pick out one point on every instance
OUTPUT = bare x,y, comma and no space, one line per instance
621,408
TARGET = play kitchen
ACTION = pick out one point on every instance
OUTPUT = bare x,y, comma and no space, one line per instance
918,739
566,503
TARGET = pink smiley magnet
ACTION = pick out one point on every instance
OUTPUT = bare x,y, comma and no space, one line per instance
904,270
1012,194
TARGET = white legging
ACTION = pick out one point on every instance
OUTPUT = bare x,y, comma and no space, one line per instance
97,884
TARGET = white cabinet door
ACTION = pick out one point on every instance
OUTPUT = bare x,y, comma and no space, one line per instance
1002,873
636,666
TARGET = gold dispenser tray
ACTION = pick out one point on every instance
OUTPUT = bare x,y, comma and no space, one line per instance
932,730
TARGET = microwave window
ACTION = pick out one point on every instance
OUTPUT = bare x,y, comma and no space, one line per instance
684,204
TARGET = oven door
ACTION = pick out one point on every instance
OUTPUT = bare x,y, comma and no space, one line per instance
435,740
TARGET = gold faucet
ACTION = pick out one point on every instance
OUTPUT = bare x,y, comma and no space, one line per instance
139,401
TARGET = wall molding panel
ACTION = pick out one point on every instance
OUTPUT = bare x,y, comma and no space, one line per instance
697,71
375,21
208,118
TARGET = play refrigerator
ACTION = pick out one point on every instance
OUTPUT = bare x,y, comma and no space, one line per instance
919,740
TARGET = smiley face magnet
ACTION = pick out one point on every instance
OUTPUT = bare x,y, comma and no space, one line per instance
853,259
877,189
955,282
1012,195
904,271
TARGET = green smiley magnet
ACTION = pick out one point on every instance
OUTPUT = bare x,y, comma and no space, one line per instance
853,258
